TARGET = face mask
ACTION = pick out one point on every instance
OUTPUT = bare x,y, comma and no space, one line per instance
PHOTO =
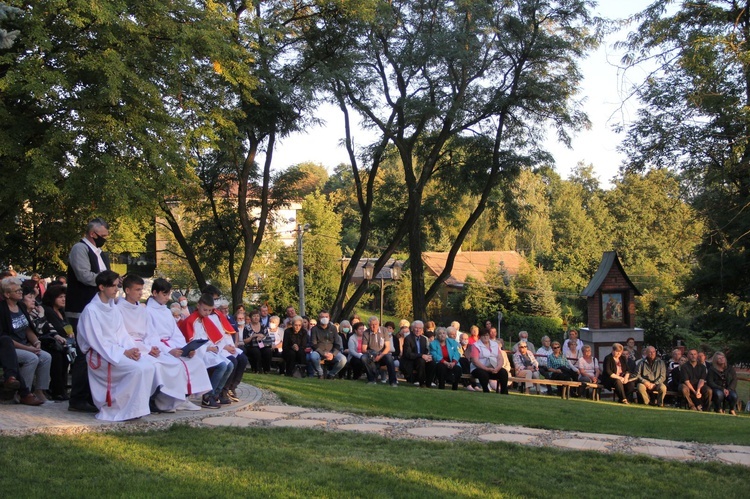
99,240
464,342
183,303
273,327
240,324
345,329
324,321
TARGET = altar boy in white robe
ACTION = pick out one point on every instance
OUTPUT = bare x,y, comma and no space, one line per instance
167,336
170,371
121,379
227,348
199,326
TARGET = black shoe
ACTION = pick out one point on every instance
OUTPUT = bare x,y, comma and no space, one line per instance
82,407
209,402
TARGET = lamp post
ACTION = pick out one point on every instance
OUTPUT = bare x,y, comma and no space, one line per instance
367,271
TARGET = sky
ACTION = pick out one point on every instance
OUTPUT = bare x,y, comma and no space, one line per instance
604,90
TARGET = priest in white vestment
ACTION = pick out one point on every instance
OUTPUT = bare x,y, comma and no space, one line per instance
121,378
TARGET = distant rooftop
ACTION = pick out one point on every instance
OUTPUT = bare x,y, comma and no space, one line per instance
473,263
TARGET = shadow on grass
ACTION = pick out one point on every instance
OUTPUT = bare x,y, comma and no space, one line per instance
278,462
532,411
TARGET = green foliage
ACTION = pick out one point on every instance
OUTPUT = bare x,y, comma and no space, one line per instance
480,301
537,297
322,260
536,327
695,122
98,108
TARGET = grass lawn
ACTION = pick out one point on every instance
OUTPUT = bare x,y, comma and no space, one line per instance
291,463
528,410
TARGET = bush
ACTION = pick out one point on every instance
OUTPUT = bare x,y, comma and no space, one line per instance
536,327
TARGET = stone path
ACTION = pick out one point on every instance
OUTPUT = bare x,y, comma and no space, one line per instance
55,418
258,409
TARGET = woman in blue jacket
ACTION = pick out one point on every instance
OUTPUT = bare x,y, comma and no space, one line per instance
444,352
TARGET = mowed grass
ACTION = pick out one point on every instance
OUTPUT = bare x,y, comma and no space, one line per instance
292,463
528,410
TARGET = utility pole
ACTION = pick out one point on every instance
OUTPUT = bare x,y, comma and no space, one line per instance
301,268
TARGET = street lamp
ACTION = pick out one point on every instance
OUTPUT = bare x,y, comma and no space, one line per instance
395,275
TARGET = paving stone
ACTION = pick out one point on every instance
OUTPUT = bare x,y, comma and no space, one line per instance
735,458
581,444
733,448
597,436
665,452
284,409
368,428
227,421
260,415
664,443
521,429
507,437
433,431
297,423
328,416
452,424
389,421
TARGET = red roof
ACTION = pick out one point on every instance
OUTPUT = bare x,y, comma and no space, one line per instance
473,263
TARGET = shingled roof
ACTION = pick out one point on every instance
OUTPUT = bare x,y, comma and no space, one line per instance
609,258
472,263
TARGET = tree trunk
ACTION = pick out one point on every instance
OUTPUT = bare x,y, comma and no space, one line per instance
183,244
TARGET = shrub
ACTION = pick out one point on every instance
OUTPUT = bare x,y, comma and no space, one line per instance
536,327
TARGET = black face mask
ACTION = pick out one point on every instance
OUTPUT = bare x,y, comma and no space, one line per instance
99,240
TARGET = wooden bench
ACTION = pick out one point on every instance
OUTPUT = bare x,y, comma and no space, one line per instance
565,385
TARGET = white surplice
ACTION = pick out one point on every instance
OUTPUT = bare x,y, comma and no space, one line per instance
170,373
102,337
226,339
167,336
210,359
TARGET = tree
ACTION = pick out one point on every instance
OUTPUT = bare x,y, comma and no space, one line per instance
8,37
322,256
92,106
581,230
426,74
695,122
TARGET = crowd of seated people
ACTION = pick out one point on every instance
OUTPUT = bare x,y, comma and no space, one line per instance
134,353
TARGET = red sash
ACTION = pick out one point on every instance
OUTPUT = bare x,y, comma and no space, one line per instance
187,327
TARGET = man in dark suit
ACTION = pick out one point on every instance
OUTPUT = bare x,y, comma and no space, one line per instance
85,262
416,358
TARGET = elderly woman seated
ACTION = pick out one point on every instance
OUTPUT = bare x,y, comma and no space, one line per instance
559,367
487,363
526,364
447,358
616,376
588,369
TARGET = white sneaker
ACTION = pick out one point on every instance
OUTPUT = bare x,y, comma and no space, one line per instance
416,383
186,405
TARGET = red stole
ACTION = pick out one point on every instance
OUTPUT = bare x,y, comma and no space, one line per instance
187,327
228,328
